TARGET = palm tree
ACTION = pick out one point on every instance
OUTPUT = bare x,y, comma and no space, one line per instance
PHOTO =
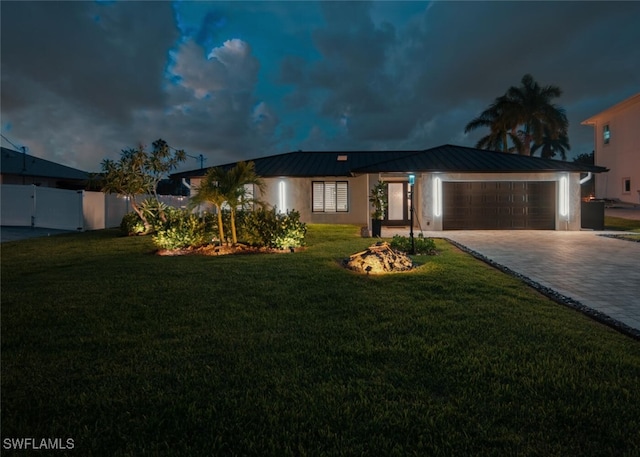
237,178
221,187
520,118
552,144
533,110
213,190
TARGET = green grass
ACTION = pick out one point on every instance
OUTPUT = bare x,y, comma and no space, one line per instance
132,354
626,225
618,223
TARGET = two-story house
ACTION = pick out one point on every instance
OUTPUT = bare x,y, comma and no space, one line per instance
617,147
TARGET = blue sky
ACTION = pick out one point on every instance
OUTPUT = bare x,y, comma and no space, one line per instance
234,80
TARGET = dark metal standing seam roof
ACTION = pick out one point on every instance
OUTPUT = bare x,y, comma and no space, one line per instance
447,158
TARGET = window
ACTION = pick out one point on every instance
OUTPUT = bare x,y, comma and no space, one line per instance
626,185
606,134
330,197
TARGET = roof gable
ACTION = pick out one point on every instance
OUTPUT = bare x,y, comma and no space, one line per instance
624,104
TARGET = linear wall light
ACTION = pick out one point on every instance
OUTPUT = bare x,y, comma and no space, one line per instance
437,197
282,197
564,197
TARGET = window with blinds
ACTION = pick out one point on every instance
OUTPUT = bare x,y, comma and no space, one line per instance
330,196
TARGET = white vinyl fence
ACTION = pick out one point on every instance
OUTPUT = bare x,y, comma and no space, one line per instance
47,207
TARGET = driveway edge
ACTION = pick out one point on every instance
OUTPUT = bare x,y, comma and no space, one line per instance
554,295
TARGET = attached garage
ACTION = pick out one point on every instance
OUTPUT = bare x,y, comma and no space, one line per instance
499,205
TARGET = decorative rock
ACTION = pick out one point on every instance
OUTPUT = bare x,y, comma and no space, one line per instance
377,259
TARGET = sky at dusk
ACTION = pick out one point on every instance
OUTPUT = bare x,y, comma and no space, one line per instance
237,80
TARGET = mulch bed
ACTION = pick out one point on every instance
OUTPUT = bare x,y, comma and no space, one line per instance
214,250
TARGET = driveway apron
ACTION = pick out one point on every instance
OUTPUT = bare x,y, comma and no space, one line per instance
600,273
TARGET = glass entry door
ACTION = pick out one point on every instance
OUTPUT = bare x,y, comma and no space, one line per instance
397,212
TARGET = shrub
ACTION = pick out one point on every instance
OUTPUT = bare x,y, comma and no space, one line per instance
131,224
422,245
182,230
153,210
263,227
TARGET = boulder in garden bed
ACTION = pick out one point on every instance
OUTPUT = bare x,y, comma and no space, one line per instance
379,258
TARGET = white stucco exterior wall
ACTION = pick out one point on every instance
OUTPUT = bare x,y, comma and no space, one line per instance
621,155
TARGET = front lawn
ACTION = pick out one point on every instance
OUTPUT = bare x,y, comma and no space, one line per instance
132,354
627,225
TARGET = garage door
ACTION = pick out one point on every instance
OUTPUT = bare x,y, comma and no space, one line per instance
499,205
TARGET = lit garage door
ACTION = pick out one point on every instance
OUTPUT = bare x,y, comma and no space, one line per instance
499,205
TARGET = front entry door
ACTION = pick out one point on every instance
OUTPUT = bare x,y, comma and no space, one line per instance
397,212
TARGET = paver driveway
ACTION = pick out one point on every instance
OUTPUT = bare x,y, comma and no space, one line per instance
599,272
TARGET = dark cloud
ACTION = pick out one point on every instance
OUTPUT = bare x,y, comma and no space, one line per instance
108,58
232,80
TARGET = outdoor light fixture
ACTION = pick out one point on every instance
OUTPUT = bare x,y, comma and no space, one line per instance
563,197
437,197
412,181
282,198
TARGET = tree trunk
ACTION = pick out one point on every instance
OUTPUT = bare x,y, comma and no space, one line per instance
148,228
234,237
220,227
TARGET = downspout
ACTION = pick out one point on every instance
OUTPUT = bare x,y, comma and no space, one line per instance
186,184
586,178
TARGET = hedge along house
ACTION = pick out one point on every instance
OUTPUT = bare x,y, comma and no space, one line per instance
455,188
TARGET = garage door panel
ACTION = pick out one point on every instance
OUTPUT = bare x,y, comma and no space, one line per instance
498,205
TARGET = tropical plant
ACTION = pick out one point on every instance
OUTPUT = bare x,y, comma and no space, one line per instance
524,119
551,144
131,224
378,199
420,245
221,187
138,172
155,211
243,174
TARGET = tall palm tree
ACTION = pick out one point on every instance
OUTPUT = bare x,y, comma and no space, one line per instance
502,129
532,109
552,144
518,119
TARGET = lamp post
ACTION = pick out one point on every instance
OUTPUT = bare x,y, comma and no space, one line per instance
412,180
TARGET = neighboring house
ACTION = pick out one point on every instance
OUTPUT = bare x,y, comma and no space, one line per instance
617,147
455,188
19,168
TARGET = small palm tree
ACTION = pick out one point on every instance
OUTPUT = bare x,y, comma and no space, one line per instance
213,190
221,187
238,177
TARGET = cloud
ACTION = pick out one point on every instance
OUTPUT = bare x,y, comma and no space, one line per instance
97,56
232,80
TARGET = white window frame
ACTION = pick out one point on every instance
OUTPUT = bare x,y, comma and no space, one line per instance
626,181
606,134
330,196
